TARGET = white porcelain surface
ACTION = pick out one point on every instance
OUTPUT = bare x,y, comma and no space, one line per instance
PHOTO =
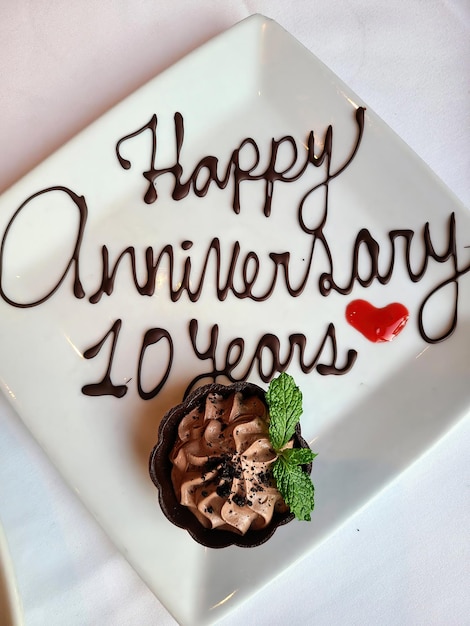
367,426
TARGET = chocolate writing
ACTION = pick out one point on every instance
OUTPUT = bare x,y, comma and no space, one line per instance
272,345
207,168
71,262
241,276
222,361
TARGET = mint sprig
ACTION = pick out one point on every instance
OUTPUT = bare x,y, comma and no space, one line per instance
284,401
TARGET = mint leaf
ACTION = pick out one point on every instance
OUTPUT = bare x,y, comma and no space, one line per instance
284,400
298,456
295,487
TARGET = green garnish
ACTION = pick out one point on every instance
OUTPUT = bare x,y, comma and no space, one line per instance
284,400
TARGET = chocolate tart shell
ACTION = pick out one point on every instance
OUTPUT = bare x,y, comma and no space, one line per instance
160,468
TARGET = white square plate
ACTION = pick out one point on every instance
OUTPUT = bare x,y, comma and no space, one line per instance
367,424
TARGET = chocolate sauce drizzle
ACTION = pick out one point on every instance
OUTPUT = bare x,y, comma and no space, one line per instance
209,165
244,267
271,343
78,291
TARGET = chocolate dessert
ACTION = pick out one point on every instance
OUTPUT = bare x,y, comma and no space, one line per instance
213,464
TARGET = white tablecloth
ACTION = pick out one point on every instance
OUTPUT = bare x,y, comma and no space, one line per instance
404,559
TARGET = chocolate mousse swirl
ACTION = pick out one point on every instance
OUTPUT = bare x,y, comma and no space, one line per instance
222,464
212,467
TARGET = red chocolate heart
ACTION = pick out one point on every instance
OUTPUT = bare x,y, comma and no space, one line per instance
377,324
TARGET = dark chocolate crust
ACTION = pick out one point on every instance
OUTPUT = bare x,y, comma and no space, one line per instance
160,468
